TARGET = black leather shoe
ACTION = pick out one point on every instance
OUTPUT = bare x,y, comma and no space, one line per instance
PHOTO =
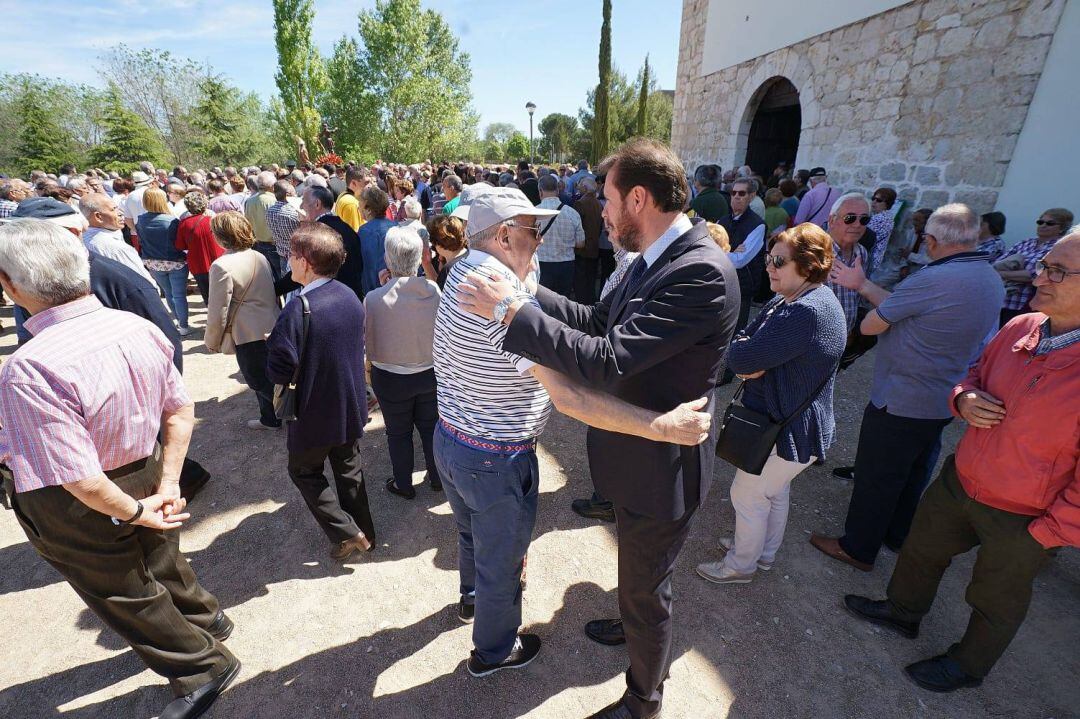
197,702
589,509
392,488
526,647
466,610
606,631
221,627
434,483
940,674
847,473
878,612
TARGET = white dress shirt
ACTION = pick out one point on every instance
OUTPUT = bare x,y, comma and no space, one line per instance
751,246
679,227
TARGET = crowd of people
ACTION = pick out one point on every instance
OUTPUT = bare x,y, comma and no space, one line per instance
465,302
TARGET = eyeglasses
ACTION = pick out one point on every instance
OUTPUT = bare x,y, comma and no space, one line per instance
851,217
1040,223
878,199
776,261
1054,273
739,193
531,228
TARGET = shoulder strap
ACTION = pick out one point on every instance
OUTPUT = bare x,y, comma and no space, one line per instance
303,339
552,220
243,295
828,196
809,400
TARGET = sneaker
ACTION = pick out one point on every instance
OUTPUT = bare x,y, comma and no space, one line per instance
185,331
466,611
257,424
726,543
526,647
718,573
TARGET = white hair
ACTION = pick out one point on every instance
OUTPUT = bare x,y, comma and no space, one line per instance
403,248
147,167
76,183
954,225
44,260
265,181
847,198
94,202
413,211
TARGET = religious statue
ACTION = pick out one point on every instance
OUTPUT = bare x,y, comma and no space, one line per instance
302,152
326,138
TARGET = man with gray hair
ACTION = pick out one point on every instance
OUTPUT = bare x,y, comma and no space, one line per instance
12,192
562,234
848,218
451,187
932,326
709,203
103,236
93,488
255,211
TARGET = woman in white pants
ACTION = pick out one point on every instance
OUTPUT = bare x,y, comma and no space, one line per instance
787,355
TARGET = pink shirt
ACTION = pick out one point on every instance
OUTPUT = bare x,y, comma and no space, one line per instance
85,395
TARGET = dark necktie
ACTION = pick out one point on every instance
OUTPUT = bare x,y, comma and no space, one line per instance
636,273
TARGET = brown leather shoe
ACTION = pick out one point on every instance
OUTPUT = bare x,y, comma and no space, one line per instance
831,547
346,548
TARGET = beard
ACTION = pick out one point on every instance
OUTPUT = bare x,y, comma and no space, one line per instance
626,232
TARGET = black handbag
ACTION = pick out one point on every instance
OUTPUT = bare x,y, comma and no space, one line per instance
747,437
285,394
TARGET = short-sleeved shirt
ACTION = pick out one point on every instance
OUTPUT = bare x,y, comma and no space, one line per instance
564,234
482,390
283,219
85,395
1018,294
849,299
938,319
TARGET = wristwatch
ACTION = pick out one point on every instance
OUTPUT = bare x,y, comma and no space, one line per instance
503,306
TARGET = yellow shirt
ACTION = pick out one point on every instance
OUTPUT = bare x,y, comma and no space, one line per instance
347,208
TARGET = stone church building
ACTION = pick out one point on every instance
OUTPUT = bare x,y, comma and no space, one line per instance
974,101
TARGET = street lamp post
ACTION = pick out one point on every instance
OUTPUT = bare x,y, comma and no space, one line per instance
531,108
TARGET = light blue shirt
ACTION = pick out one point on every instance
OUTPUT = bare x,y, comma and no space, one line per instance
679,227
314,285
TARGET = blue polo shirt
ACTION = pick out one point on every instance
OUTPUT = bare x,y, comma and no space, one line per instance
939,319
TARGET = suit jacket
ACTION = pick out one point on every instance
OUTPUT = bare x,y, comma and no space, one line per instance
352,271
662,345
255,317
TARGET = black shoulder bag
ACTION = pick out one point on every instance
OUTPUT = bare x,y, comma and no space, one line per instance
552,220
285,394
747,437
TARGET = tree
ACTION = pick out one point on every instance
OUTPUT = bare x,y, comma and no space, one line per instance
601,128
557,130
348,105
301,76
500,132
643,101
216,117
42,143
517,147
127,140
624,102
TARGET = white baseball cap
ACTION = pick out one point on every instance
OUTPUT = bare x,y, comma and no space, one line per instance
499,205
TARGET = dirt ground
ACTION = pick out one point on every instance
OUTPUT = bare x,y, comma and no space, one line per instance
380,637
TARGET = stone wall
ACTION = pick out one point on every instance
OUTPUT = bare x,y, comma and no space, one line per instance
928,98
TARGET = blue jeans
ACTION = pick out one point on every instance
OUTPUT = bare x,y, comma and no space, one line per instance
174,286
21,316
494,501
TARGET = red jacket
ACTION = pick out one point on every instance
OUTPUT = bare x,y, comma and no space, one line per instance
1027,464
194,235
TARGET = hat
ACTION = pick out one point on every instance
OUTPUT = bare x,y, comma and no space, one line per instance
139,178
461,212
498,205
290,163
818,172
469,193
51,210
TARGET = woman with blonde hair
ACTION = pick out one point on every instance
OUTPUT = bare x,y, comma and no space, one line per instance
242,309
157,229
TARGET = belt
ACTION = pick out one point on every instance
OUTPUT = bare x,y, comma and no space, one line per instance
129,468
486,445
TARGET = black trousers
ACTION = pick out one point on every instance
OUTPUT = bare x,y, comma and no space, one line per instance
341,507
607,264
251,358
893,464
407,401
202,281
269,251
585,271
948,523
648,549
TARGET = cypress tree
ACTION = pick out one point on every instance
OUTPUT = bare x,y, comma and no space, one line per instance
601,127
643,101
128,139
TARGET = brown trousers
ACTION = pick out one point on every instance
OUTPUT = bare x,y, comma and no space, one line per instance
135,579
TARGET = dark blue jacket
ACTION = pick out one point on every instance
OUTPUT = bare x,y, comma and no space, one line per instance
332,390
157,237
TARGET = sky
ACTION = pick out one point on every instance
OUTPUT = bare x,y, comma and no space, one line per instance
544,52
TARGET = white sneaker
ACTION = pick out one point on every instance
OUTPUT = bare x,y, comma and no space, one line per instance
185,331
718,573
257,424
726,543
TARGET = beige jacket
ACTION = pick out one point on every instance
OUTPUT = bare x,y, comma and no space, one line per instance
255,317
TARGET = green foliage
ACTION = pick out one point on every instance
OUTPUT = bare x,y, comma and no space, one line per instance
623,114
557,131
40,141
127,140
216,118
517,147
500,132
405,85
643,101
301,76
348,106
601,129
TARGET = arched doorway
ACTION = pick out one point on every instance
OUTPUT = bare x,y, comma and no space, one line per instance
774,131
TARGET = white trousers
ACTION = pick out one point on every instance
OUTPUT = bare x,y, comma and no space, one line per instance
761,511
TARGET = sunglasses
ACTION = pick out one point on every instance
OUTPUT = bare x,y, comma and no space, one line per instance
1041,223
531,228
776,261
1053,273
739,193
851,217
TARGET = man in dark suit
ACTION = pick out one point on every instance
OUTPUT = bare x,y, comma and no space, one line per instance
318,204
657,340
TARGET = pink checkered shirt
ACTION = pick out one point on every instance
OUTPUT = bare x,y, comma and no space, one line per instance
85,395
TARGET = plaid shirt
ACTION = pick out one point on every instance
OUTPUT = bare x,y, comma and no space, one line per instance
7,207
283,219
882,226
1048,342
623,260
564,234
86,394
849,299
1019,294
